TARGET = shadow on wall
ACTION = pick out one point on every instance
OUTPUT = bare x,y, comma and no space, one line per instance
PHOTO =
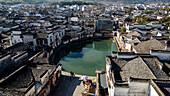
66,87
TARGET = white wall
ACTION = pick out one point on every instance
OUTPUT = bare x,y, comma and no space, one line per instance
47,24
111,87
6,29
159,34
16,32
168,48
74,19
152,91
128,46
140,88
34,42
134,50
34,24
45,78
31,92
78,28
16,39
27,38
112,91
120,91
50,39
26,14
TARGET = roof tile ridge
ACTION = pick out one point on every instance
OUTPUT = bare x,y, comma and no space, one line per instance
148,67
125,64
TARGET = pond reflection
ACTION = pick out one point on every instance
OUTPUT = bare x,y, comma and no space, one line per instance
85,57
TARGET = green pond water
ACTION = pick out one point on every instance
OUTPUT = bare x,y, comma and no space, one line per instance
91,57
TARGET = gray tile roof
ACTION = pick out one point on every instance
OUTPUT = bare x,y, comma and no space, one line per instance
146,46
21,79
19,47
40,69
136,68
136,40
117,64
37,72
155,65
135,33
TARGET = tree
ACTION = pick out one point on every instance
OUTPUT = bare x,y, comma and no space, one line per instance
129,10
141,19
165,20
150,12
123,29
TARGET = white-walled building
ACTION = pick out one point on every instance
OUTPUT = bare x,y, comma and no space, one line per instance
16,37
130,74
50,38
29,38
143,26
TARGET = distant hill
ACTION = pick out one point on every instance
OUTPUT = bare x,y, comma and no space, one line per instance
142,1
20,1
129,1
136,1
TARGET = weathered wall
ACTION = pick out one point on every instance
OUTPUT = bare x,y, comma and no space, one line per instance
19,59
9,64
5,61
120,91
138,88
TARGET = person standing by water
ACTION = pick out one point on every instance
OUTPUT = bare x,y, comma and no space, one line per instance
71,75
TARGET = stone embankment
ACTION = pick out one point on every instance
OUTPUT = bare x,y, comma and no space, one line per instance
70,87
77,75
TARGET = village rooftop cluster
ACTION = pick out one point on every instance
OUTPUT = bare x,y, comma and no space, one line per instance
30,34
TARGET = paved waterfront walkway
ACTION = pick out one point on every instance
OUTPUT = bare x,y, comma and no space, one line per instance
67,87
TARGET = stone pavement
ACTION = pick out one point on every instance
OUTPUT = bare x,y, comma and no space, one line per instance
67,87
